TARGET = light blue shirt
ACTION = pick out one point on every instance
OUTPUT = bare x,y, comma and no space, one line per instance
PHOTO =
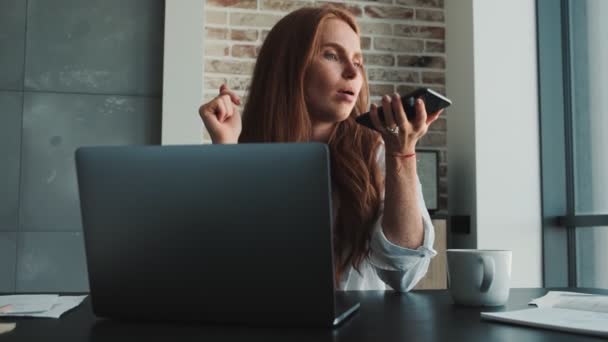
391,266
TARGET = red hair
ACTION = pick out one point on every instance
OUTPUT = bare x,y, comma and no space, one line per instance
276,111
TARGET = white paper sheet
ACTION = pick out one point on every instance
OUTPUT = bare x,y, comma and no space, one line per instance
28,303
61,305
559,310
586,322
573,300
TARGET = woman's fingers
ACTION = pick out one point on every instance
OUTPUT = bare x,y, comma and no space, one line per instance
388,112
221,109
399,112
210,110
432,117
224,90
394,114
373,114
229,105
421,115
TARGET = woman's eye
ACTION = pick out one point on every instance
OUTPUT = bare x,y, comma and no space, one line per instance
358,65
331,56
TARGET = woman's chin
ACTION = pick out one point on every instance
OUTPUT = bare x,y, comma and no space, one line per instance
342,115
336,115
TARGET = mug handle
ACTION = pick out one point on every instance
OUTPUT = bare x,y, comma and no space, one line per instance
488,272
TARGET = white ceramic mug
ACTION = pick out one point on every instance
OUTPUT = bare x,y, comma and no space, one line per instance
479,277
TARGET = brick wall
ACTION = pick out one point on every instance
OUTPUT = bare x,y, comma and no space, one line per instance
402,41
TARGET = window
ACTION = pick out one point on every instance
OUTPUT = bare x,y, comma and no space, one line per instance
573,79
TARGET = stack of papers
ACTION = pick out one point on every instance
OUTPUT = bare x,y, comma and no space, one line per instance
48,306
568,311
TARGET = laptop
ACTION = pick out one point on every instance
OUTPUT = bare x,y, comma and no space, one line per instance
215,233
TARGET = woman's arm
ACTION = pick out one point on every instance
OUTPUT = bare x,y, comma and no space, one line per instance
402,219
397,266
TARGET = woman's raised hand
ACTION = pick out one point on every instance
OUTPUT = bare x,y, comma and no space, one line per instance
400,135
222,118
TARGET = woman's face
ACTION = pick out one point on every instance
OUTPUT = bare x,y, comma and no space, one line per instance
335,77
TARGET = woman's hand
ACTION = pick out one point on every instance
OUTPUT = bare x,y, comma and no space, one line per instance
221,117
400,135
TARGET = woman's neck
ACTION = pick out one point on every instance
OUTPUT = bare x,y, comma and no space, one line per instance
321,131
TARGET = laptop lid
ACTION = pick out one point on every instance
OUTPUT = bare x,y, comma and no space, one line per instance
222,233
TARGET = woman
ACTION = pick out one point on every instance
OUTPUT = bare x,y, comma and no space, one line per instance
309,84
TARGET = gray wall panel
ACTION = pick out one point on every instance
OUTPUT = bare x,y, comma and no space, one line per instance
54,126
8,248
12,42
72,73
10,154
95,46
51,262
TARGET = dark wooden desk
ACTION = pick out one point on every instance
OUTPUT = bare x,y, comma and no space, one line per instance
426,315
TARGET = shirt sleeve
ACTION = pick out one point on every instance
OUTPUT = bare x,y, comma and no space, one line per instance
399,267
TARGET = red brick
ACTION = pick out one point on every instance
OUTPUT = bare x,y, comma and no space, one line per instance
393,75
284,5
229,67
435,62
431,77
245,51
421,3
366,43
246,35
430,15
216,33
378,59
381,89
354,9
406,88
265,20
440,125
434,46
389,12
216,17
398,44
415,31
250,4
234,83
216,49
433,139
376,28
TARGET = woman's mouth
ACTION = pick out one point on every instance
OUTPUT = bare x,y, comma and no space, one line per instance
346,95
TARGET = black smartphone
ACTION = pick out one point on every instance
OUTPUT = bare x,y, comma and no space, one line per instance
432,100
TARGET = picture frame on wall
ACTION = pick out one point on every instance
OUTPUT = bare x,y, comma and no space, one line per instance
428,173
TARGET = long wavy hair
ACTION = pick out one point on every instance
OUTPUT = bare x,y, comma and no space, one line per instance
276,111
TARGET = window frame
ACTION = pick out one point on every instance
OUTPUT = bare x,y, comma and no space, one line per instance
560,220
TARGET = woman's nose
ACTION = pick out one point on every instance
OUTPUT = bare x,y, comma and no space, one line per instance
350,70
